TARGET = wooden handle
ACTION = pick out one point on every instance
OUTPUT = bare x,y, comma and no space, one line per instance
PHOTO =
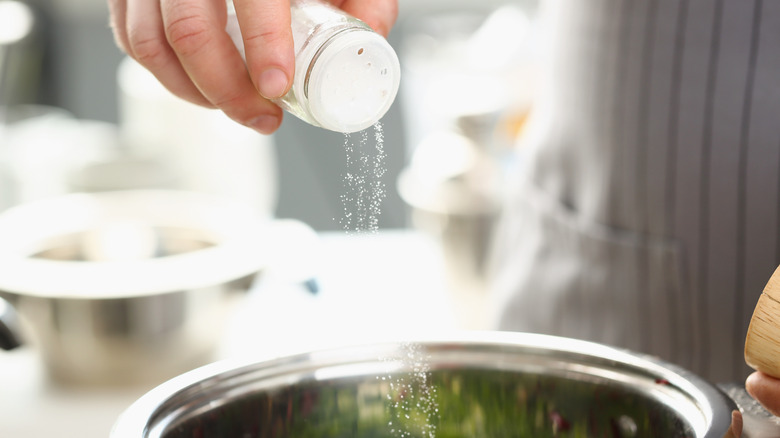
762,344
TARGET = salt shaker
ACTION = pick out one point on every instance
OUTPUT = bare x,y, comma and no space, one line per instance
346,75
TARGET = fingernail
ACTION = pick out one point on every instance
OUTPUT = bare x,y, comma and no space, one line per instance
265,124
272,83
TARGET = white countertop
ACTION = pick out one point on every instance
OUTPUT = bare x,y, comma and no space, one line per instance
372,286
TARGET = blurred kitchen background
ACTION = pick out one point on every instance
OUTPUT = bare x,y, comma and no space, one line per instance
454,60
77,116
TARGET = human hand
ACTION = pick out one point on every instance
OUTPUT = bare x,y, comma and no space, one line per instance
766,390
184,44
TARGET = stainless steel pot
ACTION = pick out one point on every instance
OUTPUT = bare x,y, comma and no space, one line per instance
478,384
129,286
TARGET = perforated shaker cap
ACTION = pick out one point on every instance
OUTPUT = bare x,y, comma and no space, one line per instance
353,81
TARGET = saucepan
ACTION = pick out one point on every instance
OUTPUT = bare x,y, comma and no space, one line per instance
474,384
129,286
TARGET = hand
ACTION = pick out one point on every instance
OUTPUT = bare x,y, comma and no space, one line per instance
765,389
735,430
184,44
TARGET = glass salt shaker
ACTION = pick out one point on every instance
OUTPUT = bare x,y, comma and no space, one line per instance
346,75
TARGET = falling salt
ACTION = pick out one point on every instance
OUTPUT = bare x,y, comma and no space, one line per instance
363,183
413,399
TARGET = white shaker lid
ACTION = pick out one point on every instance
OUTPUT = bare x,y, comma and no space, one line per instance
352,81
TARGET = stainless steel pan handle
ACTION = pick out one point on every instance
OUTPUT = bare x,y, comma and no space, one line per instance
9,327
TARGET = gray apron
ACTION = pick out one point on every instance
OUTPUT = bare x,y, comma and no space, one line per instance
647,209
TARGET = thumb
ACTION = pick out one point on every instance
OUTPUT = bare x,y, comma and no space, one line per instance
765,389
380,15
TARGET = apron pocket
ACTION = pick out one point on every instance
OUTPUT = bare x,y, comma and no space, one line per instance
560,274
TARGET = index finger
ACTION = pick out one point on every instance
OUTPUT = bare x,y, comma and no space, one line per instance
268,44
195,30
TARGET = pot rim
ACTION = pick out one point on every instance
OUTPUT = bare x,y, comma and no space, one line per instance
149,415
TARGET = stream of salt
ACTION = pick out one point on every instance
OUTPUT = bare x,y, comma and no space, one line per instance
364,187
411,398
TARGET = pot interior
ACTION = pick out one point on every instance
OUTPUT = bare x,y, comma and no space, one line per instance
443,390
123,241
464,403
